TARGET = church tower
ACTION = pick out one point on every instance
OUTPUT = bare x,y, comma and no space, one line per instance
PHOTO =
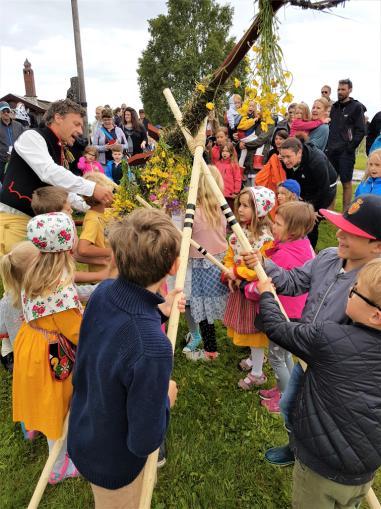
30,87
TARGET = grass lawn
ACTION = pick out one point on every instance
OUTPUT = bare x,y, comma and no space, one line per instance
216,441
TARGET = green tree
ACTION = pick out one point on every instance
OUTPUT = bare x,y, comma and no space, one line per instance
186,45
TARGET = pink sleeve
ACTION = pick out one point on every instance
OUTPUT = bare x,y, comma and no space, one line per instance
251,292
302,125
81,163
237,178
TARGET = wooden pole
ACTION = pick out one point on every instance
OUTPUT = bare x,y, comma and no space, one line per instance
372,500
79,60
149,475
193,243
44,477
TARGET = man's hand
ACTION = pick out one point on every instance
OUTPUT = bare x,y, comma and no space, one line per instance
166,306
265,286
251,259
172,392
103,195
242,145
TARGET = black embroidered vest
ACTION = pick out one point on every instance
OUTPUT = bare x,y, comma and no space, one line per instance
20,180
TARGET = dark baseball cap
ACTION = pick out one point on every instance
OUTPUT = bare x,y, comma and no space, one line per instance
363,218
4,106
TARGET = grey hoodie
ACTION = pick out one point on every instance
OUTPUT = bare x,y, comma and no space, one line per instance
325,280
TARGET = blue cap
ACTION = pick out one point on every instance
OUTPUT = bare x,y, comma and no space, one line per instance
4,106
292,186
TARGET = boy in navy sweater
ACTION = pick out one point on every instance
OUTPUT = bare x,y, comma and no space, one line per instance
122,388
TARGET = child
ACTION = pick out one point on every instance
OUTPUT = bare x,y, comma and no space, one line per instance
44,347
288,190
231,173
302,121
208,294
278,138
89,161
254,205
120,408
56,199
114,169
233,116
12,269
336,422
372,179
92,242
246,131
327,278
293,221
221,140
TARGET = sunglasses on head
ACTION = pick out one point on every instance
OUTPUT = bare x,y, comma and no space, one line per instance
324,92
353,291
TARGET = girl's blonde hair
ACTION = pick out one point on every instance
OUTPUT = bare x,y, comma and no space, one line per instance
47,272
298,217
290,196
90,149
257,225
306,114
370,276
13,267
207,200
377,155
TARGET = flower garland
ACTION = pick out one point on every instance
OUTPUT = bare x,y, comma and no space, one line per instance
166,178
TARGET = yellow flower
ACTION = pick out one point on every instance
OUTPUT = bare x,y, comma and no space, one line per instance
247,69
264,127
287,74
200,88
256,49
162,155
209,106
255,83
283,110
237,83
287,98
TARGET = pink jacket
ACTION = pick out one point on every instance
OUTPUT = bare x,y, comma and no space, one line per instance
289,254
88,167
231,175
305,126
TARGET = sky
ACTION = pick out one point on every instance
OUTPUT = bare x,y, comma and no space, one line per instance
319,48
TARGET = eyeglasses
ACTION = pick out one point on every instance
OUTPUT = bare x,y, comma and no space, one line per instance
5,110
324,92
354,291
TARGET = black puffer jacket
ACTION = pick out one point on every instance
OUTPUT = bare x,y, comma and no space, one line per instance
315,175
337,416
347,126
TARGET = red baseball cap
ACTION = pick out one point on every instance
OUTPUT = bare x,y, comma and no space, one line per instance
363,218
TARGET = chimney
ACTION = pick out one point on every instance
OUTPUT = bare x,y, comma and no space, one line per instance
30,87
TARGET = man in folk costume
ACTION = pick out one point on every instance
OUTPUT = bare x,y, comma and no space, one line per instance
39,158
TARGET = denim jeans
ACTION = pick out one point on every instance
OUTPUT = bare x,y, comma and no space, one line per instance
288,398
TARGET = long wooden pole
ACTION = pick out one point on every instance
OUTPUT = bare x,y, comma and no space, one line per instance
79,60
193,243
44,477
149,475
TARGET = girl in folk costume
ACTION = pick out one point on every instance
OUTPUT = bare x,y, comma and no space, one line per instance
208,294
292,248
44,348
254,205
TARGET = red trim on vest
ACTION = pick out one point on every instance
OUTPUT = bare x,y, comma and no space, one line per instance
21,196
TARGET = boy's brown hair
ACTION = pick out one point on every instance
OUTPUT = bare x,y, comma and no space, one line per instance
145,245
370,277
299,218
116,148
102,180
49,199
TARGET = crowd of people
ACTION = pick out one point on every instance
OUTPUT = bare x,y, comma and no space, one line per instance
111,363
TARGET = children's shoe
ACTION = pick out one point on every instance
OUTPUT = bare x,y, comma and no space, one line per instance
251,381
68,471
245,364
193,343
281,456
28,435
272,405
269,393
202,355
7,362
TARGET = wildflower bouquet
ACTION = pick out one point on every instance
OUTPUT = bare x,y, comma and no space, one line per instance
124,198
166,178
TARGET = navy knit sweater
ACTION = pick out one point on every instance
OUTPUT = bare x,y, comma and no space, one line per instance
119,412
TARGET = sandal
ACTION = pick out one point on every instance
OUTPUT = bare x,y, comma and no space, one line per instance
244,365
252,381
56,477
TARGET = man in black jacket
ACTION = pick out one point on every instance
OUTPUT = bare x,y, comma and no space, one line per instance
346,130
336,419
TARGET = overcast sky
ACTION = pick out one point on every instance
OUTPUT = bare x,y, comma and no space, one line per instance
319,48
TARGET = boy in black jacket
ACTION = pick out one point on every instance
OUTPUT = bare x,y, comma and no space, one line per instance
337,417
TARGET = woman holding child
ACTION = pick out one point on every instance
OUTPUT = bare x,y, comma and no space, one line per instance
106,136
